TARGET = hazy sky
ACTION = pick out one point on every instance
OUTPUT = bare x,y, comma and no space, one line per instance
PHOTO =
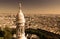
30,6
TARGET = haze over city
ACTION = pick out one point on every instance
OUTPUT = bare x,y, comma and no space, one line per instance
31,6
36,19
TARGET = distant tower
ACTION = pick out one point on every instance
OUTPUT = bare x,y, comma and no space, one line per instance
20,22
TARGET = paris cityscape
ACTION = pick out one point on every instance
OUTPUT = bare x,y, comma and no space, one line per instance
45,22
29,19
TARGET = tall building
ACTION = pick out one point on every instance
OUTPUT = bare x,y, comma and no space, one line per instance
20,22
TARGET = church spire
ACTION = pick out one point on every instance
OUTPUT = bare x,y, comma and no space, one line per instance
20,6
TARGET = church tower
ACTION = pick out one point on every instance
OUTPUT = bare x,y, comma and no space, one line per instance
20,22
